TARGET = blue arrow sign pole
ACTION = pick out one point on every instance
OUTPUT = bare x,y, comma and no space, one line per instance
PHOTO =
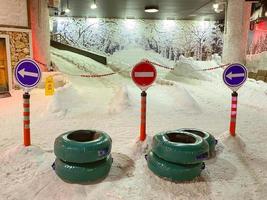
28,75
234,76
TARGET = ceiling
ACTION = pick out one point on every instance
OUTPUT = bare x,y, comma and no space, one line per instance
168,9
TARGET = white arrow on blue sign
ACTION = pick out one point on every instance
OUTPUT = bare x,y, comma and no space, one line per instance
28,73
235,75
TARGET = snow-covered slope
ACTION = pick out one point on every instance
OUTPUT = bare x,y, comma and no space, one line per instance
194,99
126,59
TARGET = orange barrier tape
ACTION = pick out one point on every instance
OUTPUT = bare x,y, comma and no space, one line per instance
96,75
208,69
159,65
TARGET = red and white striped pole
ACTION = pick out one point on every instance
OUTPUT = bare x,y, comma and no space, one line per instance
26,119
143,116
233,113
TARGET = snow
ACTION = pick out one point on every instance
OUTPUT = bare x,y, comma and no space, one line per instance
191,98
124,60
190,69
58,78
254,62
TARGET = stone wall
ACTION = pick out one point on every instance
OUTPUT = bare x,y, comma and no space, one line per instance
19,45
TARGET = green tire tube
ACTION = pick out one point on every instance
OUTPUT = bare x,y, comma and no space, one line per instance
210,139
83,173
172,171
82,146
180,147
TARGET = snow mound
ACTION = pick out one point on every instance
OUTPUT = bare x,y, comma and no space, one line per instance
65,101
125,60
120,101
190,69
257,61
235,144
58,78
216,58
141,148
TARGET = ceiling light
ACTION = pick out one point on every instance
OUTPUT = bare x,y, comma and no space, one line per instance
67,10
215,6
219,6
93,5
151,9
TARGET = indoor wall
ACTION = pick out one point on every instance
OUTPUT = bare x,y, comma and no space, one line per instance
170,38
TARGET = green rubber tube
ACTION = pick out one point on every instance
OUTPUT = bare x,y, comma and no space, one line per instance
180,147
210,139
82,146
172,171
83,173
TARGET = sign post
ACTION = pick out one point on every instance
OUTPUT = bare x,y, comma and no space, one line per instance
143,74
27,75
234,76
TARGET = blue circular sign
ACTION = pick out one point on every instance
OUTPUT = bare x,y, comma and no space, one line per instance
235,75
27,73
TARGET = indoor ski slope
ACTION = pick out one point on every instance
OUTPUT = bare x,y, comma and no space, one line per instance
184,97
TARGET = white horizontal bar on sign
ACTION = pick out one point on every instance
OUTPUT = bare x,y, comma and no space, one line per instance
144,74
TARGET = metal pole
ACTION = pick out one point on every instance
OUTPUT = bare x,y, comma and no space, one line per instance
26,119
143,116
233,113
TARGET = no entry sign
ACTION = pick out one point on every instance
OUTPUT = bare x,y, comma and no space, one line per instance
144,74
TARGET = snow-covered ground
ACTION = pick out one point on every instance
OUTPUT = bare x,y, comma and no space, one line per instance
112,104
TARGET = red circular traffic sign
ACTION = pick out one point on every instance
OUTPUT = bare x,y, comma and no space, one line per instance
144,74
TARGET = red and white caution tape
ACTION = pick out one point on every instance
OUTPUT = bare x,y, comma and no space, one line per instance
113,73
171,68
96,75
212,68
159,65
40,63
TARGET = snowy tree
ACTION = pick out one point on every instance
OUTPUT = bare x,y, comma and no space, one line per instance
169,38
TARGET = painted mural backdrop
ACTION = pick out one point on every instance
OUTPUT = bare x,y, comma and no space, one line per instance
170,38
258,38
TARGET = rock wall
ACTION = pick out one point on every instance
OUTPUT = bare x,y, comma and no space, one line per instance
19,45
